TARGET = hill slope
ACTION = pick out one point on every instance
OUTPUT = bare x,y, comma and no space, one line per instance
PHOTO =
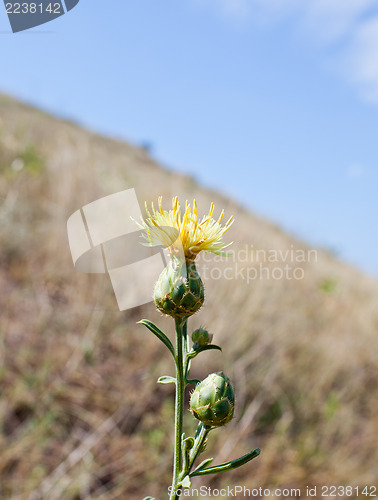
82,416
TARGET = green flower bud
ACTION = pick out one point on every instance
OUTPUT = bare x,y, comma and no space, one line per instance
213,400
201,337
179,291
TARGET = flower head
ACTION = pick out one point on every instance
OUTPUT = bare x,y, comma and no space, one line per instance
213,400
176,231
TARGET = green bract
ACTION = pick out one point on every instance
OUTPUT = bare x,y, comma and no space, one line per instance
179,291
213,400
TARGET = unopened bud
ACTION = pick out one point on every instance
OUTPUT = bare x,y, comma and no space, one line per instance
179,291
201,337
213,400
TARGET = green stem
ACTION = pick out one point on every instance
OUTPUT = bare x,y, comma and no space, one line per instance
202,435
181,349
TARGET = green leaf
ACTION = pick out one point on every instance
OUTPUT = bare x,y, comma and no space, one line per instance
159,334
186,482
193,381
193,354
166,379
188,443
203,464
148,498
199,428
234,464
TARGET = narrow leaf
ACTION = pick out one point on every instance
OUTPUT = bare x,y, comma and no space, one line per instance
199,428
193,381
234,464
166,379
159,334
193,354
188,443
203,464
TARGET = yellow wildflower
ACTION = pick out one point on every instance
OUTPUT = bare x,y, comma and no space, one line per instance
169,229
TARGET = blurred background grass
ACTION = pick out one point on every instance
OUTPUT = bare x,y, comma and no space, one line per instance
81,414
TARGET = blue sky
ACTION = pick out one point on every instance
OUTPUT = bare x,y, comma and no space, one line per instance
274,102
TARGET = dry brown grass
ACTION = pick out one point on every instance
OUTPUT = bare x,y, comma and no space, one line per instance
82,416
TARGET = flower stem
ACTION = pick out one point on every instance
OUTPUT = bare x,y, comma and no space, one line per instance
201,438
181,349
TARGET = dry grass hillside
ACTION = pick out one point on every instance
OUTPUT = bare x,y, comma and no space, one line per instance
81,414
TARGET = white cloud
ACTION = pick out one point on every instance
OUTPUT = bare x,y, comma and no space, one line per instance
331,20
348,26
361,61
